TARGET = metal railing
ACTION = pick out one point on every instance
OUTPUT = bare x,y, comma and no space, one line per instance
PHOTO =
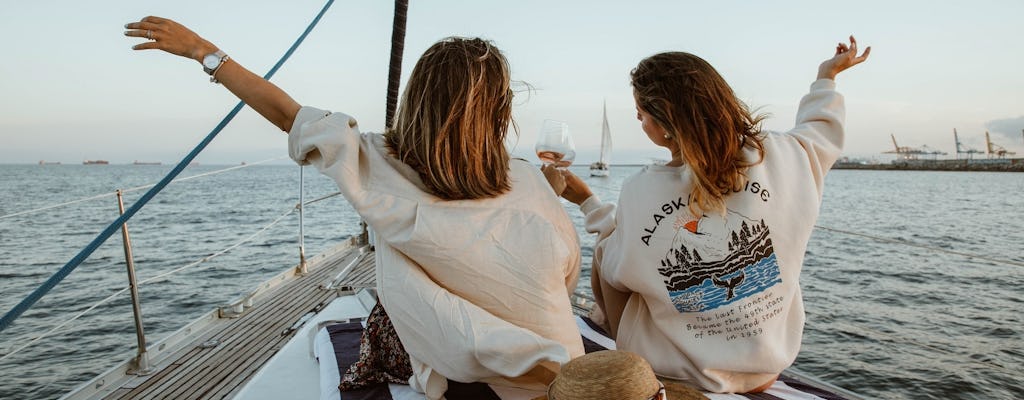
77,260
140,363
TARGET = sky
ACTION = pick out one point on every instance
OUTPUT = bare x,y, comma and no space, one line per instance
72,89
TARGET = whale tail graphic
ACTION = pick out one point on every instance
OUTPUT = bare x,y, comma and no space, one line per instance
731,284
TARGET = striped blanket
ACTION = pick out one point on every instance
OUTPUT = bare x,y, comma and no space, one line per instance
337,347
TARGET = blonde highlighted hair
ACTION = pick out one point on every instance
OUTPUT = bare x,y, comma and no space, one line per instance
453,119
689,99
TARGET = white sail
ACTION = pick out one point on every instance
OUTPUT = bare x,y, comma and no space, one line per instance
600,168
606,139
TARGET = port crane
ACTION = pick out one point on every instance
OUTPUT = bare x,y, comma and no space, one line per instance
995,150
961,149
911,153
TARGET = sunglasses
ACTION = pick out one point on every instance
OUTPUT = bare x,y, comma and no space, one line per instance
661,393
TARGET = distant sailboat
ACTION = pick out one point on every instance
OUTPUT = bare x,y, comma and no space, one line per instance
600,168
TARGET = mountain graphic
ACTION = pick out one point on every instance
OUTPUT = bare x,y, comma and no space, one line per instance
687,266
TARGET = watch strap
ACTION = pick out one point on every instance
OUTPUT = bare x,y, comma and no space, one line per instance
213,75
220,55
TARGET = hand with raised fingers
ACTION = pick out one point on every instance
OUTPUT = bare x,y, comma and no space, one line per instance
845,57
167,35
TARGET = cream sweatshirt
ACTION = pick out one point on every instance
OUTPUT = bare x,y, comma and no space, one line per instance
716,299
478,290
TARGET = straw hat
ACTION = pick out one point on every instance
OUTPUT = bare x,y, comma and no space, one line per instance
609,374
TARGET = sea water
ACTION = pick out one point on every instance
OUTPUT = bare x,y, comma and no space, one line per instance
891,313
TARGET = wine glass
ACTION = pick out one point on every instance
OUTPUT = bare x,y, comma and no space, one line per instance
554,145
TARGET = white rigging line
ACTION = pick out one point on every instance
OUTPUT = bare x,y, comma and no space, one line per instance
62,324
219,253
922,246
318,199
937,349
153,279
99,196
232,247
58,205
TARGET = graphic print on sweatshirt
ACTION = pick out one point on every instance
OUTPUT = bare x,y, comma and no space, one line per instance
714,261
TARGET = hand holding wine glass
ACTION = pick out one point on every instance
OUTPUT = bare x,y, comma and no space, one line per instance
554,145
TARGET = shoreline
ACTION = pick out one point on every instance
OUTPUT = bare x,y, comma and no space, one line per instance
973,165
976,165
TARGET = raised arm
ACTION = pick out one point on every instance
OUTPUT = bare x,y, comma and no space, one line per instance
266,98
821,116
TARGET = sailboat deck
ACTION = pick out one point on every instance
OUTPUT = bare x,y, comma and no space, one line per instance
216,356
227,352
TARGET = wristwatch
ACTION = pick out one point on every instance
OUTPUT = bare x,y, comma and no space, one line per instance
213,61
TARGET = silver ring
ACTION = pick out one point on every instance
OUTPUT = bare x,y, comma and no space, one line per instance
149,34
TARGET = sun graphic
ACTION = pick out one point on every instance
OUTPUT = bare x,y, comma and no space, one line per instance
686,221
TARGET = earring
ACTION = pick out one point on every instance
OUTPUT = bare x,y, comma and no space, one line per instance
668,136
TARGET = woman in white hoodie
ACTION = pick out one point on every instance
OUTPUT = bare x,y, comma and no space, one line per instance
698,268
476,257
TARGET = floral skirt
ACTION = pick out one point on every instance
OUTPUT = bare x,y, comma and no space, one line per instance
382,358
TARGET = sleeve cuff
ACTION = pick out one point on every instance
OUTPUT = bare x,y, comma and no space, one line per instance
305,116
590,204
823,84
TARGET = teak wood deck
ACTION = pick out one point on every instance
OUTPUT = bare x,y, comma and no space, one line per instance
214,357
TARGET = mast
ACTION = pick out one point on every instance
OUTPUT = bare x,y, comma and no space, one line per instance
395,69
394,76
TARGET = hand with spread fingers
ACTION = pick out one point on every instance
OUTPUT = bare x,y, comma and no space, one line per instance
846,57
167,35
266,98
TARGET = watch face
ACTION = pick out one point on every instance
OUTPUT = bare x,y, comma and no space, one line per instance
211,61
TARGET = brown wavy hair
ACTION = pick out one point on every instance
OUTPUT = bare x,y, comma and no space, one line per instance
453,119
689,99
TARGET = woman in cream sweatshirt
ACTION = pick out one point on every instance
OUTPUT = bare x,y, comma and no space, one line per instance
697,269
476,258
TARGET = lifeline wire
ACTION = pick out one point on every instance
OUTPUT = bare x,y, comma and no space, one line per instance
219,253
912,244
318,199
146,281
59,276
100,196
935,348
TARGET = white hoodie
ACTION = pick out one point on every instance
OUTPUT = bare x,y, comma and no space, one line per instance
478,290
716,300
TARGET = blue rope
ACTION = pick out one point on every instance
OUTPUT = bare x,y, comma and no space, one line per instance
50,283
